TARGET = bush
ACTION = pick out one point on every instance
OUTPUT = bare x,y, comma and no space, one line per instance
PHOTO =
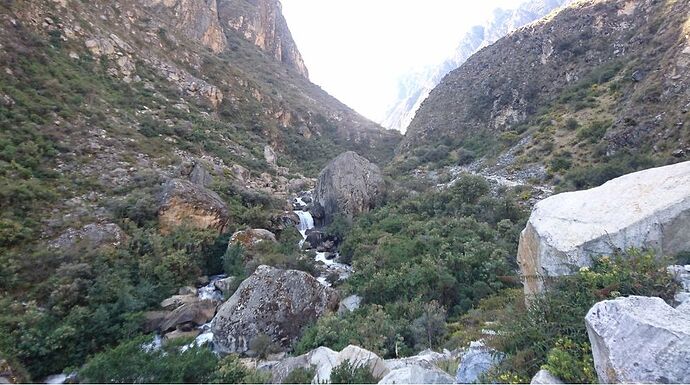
552,330
352,373
594,132
571,362
300,376
131,363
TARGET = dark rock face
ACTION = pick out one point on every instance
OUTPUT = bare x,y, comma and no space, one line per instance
349,185
277,303
184,202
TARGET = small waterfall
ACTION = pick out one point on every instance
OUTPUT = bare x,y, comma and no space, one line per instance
306,222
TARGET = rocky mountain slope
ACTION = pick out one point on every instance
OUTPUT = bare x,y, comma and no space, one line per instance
415,87
99,92
126,120
598,90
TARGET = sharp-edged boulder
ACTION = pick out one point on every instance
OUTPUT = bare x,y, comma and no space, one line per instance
545,377
274,302
477,360
185,203
348,185
417,374
639,340
649,209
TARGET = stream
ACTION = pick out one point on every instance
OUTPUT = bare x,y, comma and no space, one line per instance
327,266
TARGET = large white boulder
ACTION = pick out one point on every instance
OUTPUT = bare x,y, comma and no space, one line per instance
639,340
417,374
648,209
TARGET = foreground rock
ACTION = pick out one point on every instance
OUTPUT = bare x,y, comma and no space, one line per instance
185,203
639,340
349,185
419,369
476,361
646,209
277,303
323,360
545,377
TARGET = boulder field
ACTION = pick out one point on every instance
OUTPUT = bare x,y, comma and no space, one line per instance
648,209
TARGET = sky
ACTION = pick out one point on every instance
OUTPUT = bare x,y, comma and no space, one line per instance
357,50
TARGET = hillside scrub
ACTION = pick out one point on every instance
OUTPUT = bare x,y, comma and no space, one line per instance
419,261
551,333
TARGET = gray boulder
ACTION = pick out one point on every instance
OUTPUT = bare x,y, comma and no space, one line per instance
639,340
349,185
649,209
274,302
185,203
252,237
545,377
477,360
91,236
417,374
195,313
349,304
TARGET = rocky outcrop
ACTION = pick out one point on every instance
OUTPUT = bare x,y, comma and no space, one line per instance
545,377
648,209
252,237
639,340
476,361
262,23
277,303
198,20
185,203
90,237
348,185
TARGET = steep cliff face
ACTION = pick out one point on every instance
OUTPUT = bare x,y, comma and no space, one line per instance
196,19
414,88
262,23
598,80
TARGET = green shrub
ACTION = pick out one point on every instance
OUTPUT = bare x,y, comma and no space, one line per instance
300,376
571,362
352,373
130,363
594,132
571,124
553,325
